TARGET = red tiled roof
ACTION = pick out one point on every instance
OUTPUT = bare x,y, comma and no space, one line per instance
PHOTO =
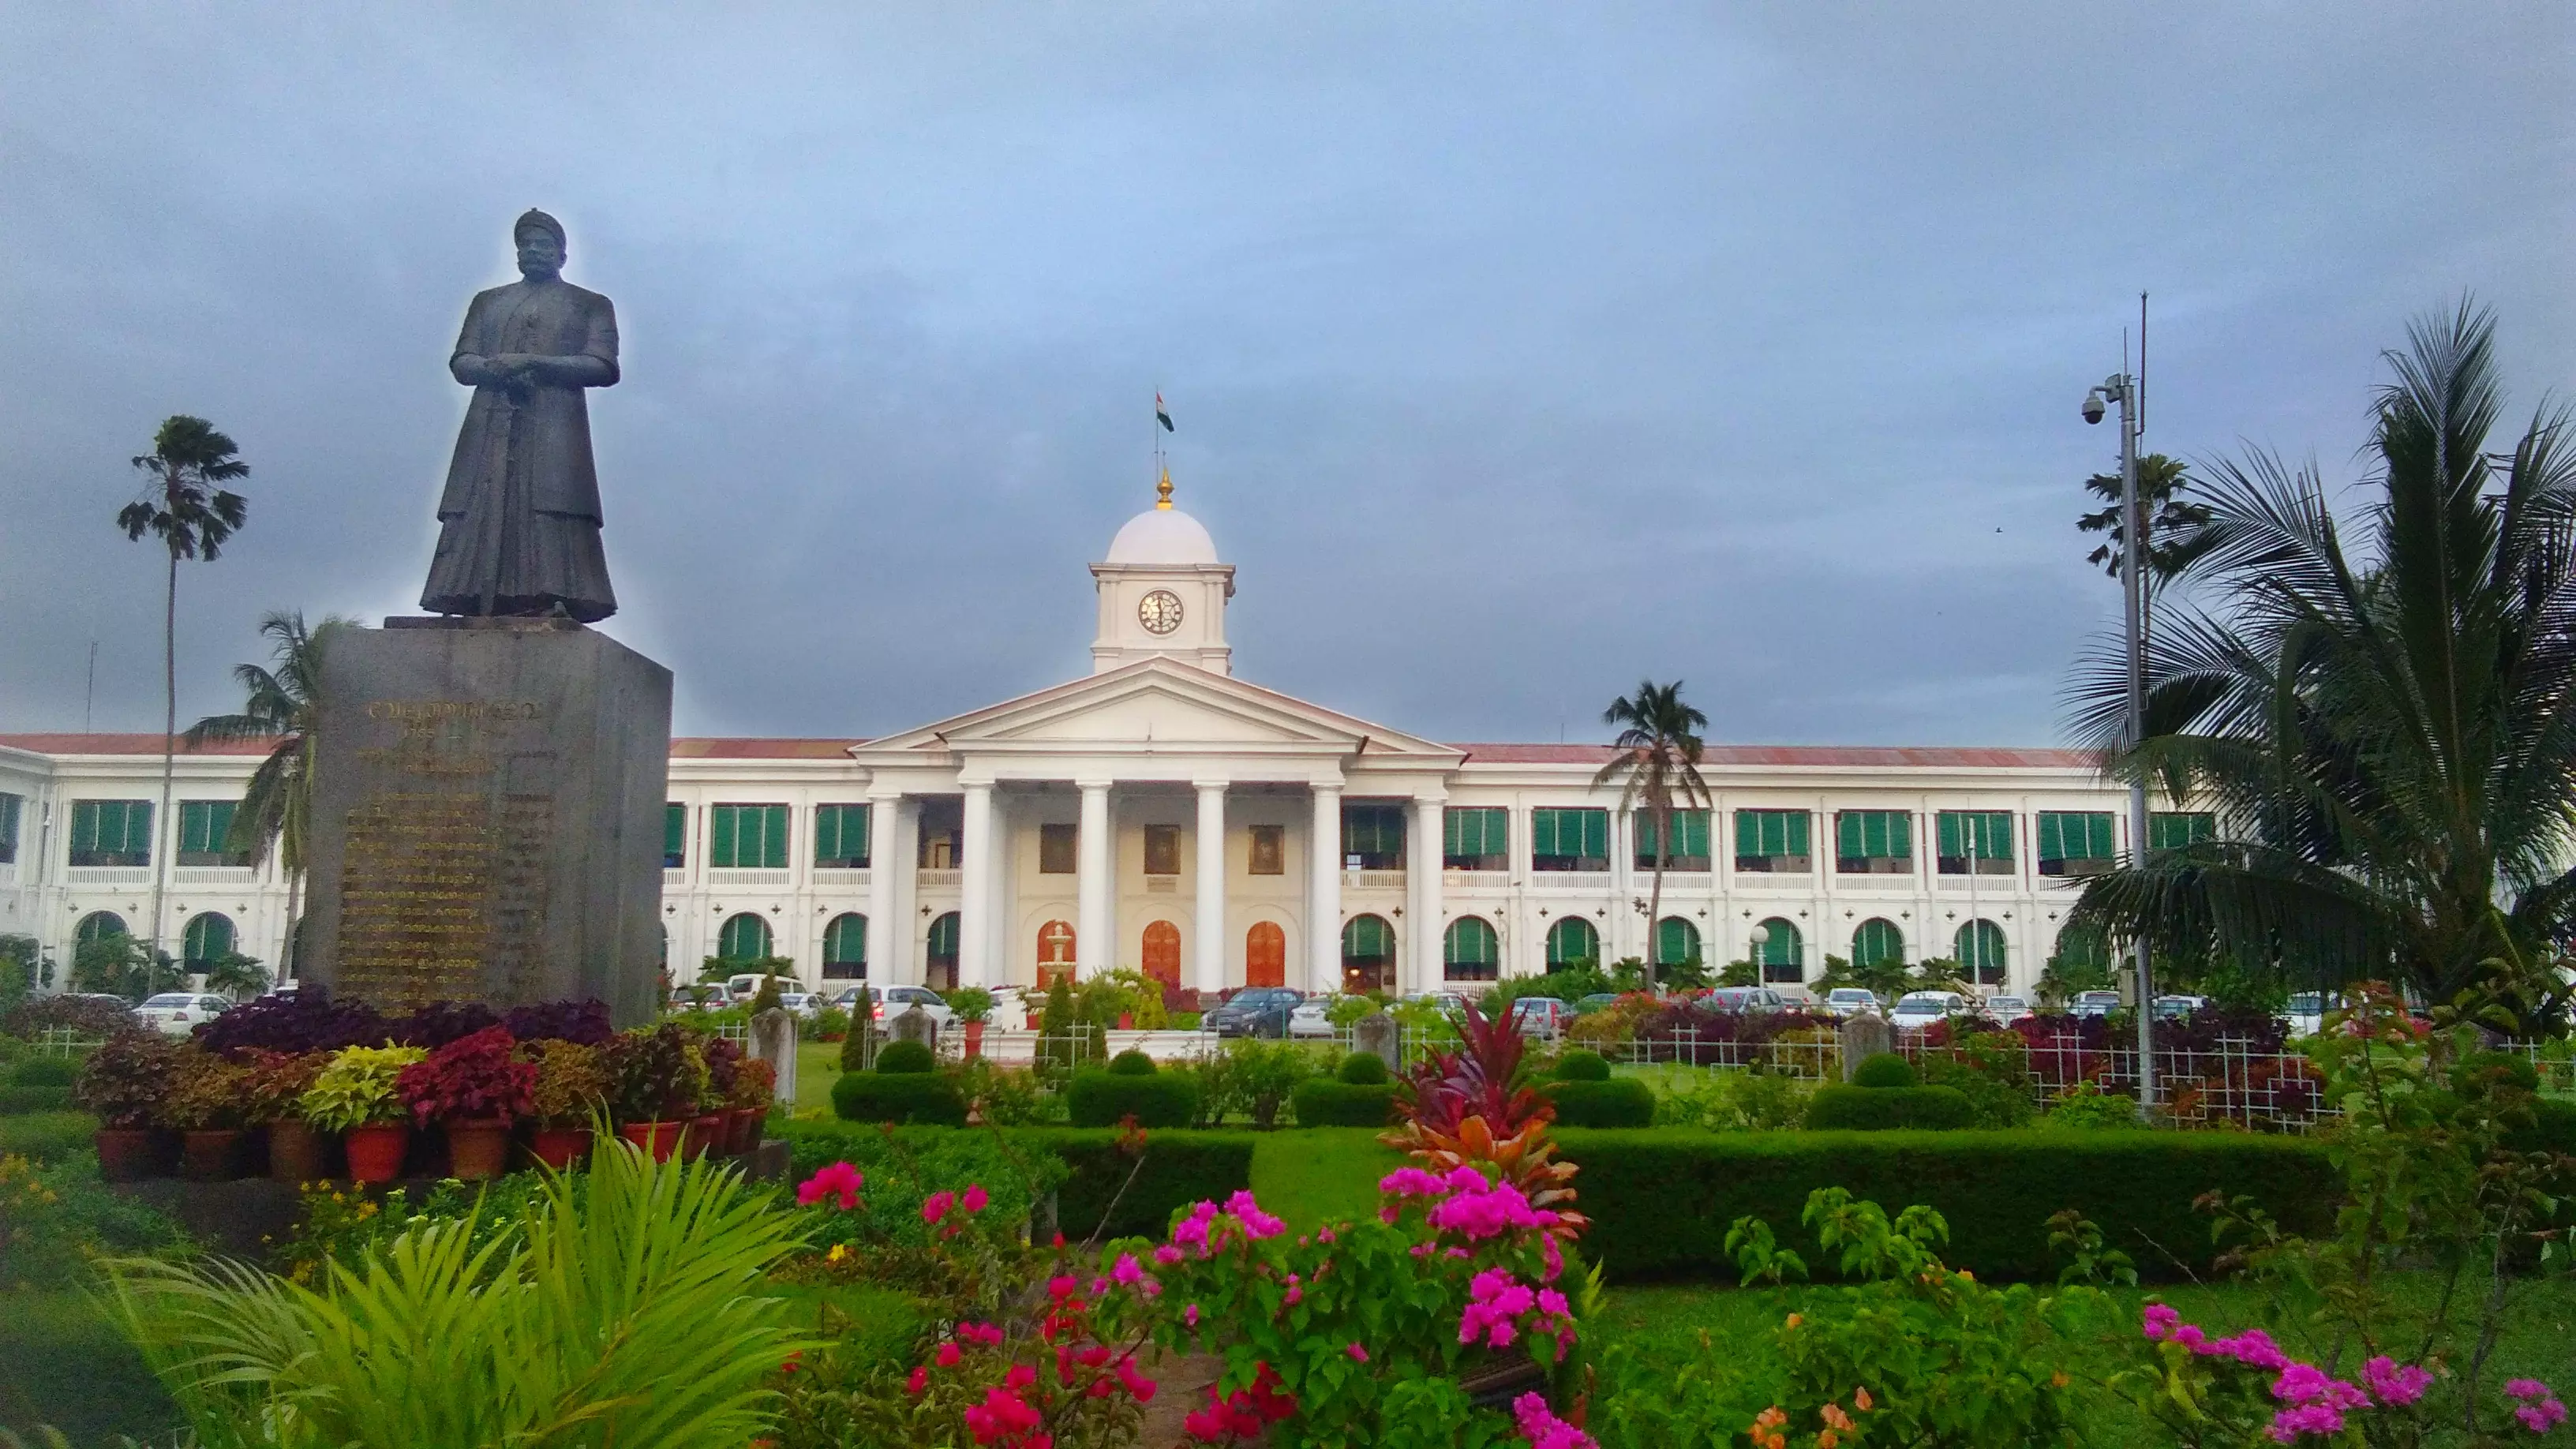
105,744
1847,756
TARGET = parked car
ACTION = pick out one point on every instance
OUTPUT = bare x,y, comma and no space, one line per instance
177,1013
1851,1001
1737,999
1254,1011
1312,1017
847,997
2005,1010
800,1003
2093,1003
2307,1011
2177,1005
1543,1016
1450,1004
1918,1009
894,1001
1595,1002
709,997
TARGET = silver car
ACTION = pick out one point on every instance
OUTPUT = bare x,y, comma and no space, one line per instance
2094,1003
894,1001
177,1013
1312,1017
1919,1009
2005,1010
1850,1001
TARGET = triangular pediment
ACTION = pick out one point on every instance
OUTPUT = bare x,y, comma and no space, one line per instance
1160,704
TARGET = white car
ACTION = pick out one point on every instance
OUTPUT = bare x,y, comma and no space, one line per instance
894,1001
800,1003
2179,1006
1918,1009
177,1013
2307,1011
2094,1003
1850,1001
1312,1017
2005,1010
710,997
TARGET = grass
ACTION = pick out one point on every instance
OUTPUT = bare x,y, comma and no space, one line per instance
63,1363
45,1136
1313,1175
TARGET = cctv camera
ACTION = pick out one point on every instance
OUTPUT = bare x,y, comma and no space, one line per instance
2093,407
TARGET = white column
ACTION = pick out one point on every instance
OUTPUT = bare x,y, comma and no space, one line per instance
1623,888
904,932
975,888
883,863
1207,968
1324,895
1091,945
1422,865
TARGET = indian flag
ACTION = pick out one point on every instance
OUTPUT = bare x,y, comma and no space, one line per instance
1162,414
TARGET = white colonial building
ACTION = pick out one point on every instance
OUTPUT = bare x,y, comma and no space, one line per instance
1164,815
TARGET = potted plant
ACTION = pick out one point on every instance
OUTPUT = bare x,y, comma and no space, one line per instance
569,1095
474,1088
358,1095
755,1083
974,1007
122,1084
272,1083
711,1129
205,1107
651,1086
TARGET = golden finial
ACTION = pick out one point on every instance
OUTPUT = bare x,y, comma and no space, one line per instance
1163,490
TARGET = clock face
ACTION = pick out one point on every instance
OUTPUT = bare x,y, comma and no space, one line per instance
1159,611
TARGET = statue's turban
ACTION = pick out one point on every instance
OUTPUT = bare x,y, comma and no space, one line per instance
541,221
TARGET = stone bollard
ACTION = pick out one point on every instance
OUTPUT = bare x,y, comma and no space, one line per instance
773,1040
1863,1036
1376,1034
914,1024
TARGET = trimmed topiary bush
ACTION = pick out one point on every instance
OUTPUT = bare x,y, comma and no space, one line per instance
1582,1066
905,1057
923,1098
1361,1069
1103,1099
1887,1109
1885,1070
1661,1201
1620,1102
1131,1063
60,1071
1322,1102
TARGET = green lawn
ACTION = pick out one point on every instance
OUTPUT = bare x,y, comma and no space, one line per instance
62,1363
1312,1175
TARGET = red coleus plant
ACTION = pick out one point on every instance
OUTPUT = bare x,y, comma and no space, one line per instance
471,1077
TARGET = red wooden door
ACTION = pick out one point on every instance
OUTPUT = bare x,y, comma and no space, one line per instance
1163,954
1265,955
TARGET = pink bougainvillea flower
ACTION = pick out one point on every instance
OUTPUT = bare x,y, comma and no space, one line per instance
975,1198
1190,1315
948,1355
1543,1428
936,1206
1020,1377
2160,1321
2391,1384
1357,1353
1138,1387
1166,1255
919,1382
1126,1272
839,1181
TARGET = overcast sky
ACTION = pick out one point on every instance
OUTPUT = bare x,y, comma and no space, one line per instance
1517,351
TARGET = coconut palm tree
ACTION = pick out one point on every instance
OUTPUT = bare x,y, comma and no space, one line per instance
2173,532
2381,707
282,703
1657,766
193,518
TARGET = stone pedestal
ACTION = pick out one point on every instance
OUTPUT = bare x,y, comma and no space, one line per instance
487,816
1376,1034
1862,1037
773,1040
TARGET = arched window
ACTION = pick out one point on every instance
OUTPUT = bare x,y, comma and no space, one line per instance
1055,951
1368,955
208,939
98,926
1265,955
744,937
943,952
1162,954
1676,942
1878,942
845,948
1980,952
1783,952
1469,951
1571,943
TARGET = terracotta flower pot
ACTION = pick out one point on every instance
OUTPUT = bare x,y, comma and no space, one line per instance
560,1148
478,1148
294,1151
1126,1021
974,1040
707,1133
661,1139
127,1154
746,1128
376,1151
206,1155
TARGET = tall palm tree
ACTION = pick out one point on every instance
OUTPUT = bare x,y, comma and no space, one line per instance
1657,766
2389,729
2174,517
282,704
193,518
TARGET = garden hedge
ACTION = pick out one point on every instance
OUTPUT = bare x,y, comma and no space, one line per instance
1887,1109
1180,1168
1102,1099
1623,1102
16,1100
1325,1102
1661,1200
904,1058
1884,1069
1580,1065
917,1097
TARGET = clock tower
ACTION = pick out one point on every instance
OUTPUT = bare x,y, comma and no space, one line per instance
1162,592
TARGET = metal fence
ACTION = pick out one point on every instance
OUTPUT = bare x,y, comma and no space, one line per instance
64,1041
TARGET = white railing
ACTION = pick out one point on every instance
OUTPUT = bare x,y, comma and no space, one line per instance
837,875
1477,879
1569,880
749,877
214,875
933,880
1373,880
64,1041
107,875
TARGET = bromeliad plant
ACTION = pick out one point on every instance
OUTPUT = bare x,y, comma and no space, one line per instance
1474,1106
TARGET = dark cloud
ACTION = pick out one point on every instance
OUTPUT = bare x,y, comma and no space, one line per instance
1518,352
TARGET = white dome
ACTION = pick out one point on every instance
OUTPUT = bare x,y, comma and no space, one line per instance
1162,536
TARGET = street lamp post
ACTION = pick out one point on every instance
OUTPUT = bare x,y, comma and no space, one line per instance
2121,388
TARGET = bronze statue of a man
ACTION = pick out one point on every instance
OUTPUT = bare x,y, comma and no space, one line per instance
519,523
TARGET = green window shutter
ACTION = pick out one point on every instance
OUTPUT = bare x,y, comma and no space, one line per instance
1782,945
845,941
943,935
1543,833
1878,940
720,836
1797,823
1474,832
1365,938
1469,941
1572,939
2052,836
745,937
1988,831
2170,830
1676,941
773,853
1874,835
2075,835
1748,832
1596,834
675,835
841,835
1453,829
1851,835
